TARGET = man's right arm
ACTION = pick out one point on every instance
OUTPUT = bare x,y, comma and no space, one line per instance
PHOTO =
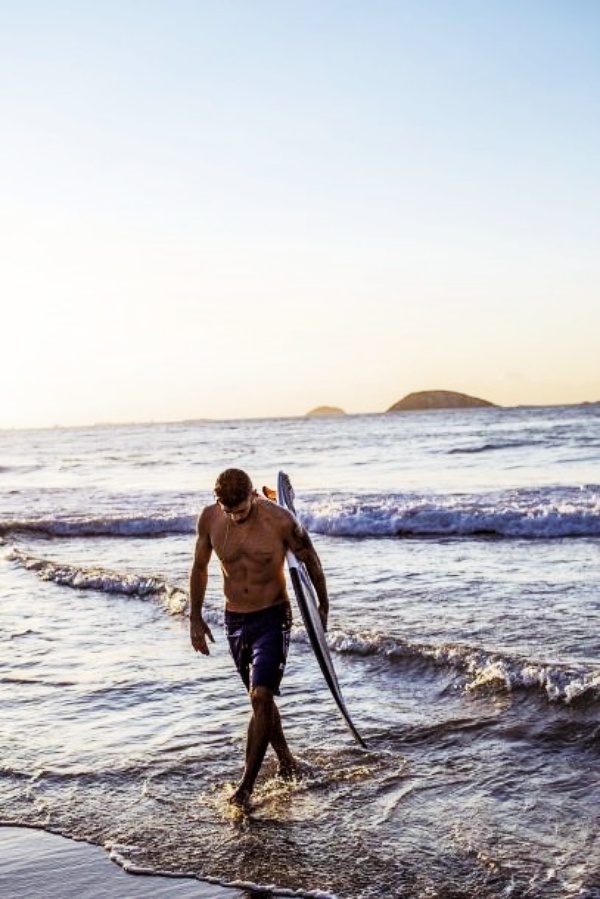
301,545
199,629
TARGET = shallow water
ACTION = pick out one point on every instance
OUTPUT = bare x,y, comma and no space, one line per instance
461,552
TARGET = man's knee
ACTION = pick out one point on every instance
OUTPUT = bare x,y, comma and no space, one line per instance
262,699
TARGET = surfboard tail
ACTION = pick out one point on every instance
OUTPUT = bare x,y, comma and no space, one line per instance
322,654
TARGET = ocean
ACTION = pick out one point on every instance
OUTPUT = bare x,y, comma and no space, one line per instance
461,549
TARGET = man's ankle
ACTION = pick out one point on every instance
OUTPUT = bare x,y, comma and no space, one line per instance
241,795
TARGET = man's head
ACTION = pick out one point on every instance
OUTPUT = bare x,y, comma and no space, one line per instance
233,487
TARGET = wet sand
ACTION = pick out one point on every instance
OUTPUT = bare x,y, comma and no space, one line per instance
39,865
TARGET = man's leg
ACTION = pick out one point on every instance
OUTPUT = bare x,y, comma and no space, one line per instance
259,735
287,765
270,645
264,728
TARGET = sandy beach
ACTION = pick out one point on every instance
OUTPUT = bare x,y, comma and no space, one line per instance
38,865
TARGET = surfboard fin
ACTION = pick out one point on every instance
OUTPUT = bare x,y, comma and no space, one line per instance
270,494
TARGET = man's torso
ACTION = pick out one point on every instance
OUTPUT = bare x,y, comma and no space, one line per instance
252,556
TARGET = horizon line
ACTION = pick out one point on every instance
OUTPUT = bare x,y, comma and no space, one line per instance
305,415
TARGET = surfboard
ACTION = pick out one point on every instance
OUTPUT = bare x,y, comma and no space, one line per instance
309,609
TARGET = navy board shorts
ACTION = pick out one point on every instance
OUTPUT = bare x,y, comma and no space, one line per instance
259,644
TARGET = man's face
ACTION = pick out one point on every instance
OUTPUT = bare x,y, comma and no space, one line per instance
241,512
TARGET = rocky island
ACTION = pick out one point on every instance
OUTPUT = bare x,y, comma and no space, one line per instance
438,399
322,411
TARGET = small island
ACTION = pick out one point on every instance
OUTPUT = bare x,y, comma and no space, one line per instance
324,411
438,399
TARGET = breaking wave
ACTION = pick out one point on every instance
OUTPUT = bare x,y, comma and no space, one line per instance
172,598
525,514
544,513
158,524
481,670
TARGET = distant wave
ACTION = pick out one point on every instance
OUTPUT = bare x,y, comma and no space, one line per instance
544,513
482,670
489,447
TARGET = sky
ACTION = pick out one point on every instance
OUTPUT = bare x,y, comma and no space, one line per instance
249,208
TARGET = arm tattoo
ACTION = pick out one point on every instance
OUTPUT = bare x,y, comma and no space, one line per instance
300,539
301,545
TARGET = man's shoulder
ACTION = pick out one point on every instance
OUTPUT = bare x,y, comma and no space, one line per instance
207,516
276,513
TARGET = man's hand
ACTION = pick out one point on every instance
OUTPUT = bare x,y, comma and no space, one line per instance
323,615
199,631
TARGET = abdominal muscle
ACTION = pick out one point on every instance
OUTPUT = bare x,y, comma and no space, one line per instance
247,590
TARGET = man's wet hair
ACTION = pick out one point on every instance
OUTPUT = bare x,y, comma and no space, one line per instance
232,487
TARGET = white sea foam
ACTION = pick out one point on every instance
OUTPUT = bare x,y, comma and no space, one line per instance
119,855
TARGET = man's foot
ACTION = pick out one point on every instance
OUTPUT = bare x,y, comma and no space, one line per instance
240,798
288,770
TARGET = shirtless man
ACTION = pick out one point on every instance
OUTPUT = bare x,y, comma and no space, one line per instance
250,536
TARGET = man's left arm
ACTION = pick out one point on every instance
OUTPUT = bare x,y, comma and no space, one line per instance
301,545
